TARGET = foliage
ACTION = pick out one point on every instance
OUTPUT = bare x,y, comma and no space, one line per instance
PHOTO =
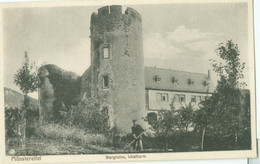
86,115
13,119
66,87
164,126
185,118
230,70
244,139
222,112
32,117
174,122
26,77
27,80
77,135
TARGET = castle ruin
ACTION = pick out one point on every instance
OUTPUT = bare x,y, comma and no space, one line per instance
116,76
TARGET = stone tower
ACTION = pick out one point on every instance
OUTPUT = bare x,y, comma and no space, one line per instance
117,65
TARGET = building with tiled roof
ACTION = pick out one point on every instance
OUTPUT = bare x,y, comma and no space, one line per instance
164,86
117,78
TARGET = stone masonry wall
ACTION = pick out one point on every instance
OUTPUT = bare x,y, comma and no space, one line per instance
125,97
57,86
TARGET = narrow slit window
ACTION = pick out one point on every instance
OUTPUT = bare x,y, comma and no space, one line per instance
105,111
105,81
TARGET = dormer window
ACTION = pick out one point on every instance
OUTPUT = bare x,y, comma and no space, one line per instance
190,81
174,80
206,83
157,79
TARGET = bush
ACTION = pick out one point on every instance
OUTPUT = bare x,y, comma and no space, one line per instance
14,116
86,115
55,131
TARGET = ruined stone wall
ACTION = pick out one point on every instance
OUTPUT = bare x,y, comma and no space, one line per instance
122,33
85,88
45,96
57,86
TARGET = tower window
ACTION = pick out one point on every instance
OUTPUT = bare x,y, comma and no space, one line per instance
105,81
105,113
106,52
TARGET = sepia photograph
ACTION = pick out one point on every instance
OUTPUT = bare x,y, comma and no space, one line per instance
127,81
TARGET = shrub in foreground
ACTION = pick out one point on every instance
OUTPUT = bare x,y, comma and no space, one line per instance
74,134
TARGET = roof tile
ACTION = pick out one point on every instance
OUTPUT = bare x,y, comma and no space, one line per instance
186,81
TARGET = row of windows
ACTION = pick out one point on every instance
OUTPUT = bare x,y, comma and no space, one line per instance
164,97
176,81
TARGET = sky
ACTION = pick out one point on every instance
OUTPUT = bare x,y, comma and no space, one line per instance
177,36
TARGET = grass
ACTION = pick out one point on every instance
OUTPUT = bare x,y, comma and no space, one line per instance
45,146
55,131
53,139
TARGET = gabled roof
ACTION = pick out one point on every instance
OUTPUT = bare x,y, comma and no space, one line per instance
186,81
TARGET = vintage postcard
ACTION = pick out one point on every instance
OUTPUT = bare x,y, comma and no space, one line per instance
107,81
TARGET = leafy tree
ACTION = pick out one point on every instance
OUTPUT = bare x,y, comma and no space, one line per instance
174,121
185,118
222,111
87,115
245,137
230,70
26,77
204,116
27,80
165,127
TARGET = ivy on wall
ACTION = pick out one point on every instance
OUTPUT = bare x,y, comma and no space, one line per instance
66,87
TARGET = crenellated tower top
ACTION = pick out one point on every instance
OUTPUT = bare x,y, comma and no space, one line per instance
115,11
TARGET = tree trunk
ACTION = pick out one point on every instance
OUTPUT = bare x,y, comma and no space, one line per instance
236,146
202,138
24,123
166,144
